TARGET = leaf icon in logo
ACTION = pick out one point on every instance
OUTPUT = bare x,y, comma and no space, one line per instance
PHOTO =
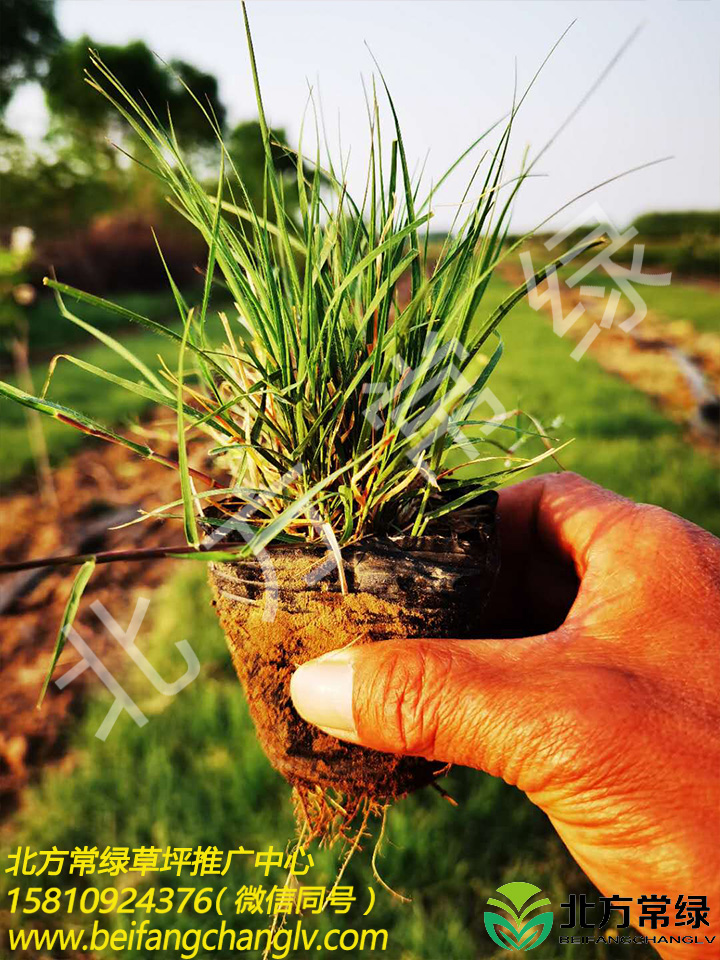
513,932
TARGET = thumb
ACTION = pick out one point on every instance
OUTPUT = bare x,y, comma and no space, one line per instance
489,704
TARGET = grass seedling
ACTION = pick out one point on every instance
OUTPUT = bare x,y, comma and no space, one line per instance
337,399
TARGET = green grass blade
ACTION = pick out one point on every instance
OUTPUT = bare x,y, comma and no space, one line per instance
71,609
190,524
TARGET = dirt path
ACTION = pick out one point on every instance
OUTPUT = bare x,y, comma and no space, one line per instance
669,360
98,488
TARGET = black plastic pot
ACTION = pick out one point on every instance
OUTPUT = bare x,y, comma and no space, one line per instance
275,618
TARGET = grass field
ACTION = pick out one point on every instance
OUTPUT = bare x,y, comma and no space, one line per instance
72,387
621,440
698,304
48,331
75,388
195,775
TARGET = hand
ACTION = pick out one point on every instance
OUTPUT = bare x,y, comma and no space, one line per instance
608,716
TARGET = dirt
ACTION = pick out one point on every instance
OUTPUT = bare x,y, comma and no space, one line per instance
98,488
392,593
647,357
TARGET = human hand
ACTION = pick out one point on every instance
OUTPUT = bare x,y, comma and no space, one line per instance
608,716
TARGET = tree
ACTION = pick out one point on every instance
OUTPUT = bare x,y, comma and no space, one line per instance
28,37
53,192
75,103
245,145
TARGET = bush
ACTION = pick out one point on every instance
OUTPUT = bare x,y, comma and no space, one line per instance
678,223
696,257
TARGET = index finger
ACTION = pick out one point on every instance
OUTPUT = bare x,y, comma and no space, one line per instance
563,513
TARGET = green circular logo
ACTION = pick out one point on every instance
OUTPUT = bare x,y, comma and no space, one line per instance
518,927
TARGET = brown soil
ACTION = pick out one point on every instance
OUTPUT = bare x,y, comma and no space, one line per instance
642,356
393,593
98,488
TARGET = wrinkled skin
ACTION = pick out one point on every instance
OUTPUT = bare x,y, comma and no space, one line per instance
605,709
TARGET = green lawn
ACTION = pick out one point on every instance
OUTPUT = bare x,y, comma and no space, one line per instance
195,775
48,331
686,301
104,401
72,387
620,440
697,303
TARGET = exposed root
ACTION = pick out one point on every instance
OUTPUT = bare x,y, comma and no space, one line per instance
350,854
445,795
327,816
331,819
279,919
373,862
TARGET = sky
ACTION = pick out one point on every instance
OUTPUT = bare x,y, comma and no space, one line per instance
450,66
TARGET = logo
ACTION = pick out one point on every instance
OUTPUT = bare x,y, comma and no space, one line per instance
512,930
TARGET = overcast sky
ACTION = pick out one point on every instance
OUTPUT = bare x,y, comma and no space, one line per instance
450,68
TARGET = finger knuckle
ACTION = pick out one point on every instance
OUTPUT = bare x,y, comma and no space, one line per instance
411,698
